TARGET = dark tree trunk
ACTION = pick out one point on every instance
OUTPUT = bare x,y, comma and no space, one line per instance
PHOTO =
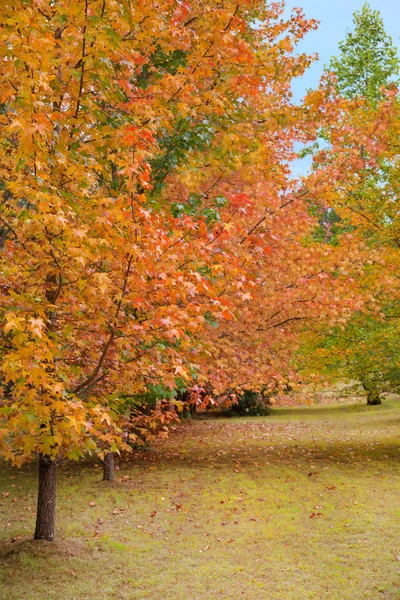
187,411
185,414
373,399
193,410
46,506
372,391
108,467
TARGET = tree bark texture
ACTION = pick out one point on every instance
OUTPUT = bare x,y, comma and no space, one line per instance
108,467
46,506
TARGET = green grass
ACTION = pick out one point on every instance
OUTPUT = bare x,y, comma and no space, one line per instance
222,510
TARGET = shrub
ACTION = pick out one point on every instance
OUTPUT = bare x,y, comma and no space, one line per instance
250,403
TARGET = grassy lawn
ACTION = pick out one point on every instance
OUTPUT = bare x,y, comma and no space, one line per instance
302,504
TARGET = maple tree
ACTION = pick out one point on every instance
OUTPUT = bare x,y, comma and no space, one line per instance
119,121
296,283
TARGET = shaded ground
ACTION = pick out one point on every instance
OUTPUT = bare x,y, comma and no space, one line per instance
302,504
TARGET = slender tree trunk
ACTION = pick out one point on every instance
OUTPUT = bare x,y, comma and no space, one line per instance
46,506
187,412
108,467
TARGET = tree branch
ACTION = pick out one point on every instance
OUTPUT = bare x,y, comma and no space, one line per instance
89,380
252,230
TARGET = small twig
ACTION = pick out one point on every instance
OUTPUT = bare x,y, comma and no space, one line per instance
286,321
232,17
271,213
174,244
190,21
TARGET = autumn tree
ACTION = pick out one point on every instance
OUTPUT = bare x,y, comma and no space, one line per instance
120,123
361,157
365,199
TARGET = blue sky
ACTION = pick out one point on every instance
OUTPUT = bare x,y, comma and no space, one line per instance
335,18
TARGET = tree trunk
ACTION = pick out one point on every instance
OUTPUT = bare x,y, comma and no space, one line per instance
372,391
46,506
373,398
187,411
108,467
185,414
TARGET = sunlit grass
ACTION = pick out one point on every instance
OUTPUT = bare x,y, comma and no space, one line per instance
302,504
